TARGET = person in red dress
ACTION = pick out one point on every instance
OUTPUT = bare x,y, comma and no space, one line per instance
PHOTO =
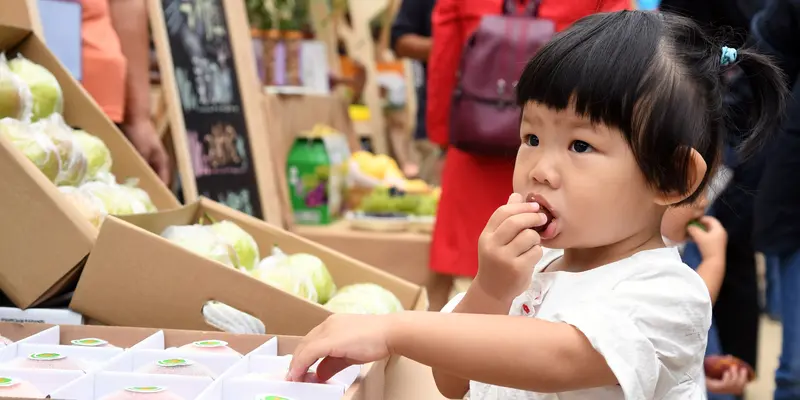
474,186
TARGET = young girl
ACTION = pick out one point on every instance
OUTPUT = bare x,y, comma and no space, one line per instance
622,119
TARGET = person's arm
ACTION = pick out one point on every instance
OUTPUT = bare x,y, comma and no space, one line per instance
448,39
129,18
712,241
408,38
712,271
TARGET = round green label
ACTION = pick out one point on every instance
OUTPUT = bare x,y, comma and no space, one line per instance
271,397
210,343
145,389
174,362
89,342
46,356
6,382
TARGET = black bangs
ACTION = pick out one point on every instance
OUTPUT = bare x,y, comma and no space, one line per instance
624,70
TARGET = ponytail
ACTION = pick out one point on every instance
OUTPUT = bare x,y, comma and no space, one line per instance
769,91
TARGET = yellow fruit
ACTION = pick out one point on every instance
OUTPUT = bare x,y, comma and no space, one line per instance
417,186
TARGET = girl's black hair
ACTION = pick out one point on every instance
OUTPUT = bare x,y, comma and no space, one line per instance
659,79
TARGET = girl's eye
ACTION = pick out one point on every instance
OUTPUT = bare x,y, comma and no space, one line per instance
532,140
579,146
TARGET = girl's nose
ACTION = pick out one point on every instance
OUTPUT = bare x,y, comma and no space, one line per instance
544,172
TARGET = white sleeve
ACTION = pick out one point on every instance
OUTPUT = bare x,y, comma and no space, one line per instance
652,330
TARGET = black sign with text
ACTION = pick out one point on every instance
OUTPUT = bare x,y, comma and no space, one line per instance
216,129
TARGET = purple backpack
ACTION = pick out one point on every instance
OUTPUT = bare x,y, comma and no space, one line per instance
484,117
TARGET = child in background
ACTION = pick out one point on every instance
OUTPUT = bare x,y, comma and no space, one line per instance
622,119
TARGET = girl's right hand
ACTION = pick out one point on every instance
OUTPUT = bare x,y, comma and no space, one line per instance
509,248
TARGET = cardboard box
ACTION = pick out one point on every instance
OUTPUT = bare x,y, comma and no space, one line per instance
44,239
40,316
134,277
367,385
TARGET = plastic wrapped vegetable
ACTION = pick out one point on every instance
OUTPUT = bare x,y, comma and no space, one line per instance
90,206
316,270
289,280
273,259
117,199
245,246
97,154
201,239
35,145
364,298
73,161
16,100
139,198
44,88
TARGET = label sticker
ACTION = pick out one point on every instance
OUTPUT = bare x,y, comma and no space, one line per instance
89,342
174,362
271,397
210,343
6,382
145,389
46,356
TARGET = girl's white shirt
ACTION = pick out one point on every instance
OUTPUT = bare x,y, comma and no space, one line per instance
648,315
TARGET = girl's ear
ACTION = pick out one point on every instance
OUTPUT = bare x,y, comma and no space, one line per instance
696,172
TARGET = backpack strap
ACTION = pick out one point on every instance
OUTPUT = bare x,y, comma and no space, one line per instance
532,9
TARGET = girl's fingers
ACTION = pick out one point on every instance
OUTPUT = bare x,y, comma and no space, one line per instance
304,358
523,242
512,226
507,211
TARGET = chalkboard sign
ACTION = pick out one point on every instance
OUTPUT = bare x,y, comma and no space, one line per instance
214,130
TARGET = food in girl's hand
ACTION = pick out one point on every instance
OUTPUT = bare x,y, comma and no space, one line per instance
16,100
177,366
143,392
44,88
202,240
716,365
211,346
243,244
34,145
91,342
97,153
47,361
364,298
74,165
697,224
13,387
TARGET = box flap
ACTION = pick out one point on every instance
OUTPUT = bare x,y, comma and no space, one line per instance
18,14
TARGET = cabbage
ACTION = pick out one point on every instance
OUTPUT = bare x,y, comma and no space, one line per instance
139,199
117,199
201,239
73,161
46,92
364,298
16,100
35,145
245,246
97,154
89,206
289,280
316,270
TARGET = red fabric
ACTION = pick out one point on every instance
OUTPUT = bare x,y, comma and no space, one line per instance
474,186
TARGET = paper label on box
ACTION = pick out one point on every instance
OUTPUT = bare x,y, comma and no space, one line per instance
46,356
89,342
210,343
7,382
145,389
269,397
174,362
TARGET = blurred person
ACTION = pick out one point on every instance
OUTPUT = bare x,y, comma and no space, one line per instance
473,186
116,72
411,38
775,30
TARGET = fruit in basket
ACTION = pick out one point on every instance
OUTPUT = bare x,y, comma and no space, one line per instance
243,244
316,271
16,100
364,298
45,90
290,280
177,366
74,165
143,392
202,240
47,361
35,145
97,154
87,204
13,387
427,206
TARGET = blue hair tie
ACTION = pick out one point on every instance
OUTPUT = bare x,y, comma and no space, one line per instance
728,56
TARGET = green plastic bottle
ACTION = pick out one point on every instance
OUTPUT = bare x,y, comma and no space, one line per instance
308,172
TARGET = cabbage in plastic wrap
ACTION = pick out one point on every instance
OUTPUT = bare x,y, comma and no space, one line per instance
316,270
16,100
289,280
139,197
364,298
35,145
245,246
201,239
97,154
46,92
90,206
74,165
117,199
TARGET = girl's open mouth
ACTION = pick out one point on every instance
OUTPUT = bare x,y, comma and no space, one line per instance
548,229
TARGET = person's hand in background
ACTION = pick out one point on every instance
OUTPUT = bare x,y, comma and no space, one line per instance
733,381
145,139
712,241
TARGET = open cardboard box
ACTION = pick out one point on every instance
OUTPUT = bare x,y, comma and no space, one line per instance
134,277
45,239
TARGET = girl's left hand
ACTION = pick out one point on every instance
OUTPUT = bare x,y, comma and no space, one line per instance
342,340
